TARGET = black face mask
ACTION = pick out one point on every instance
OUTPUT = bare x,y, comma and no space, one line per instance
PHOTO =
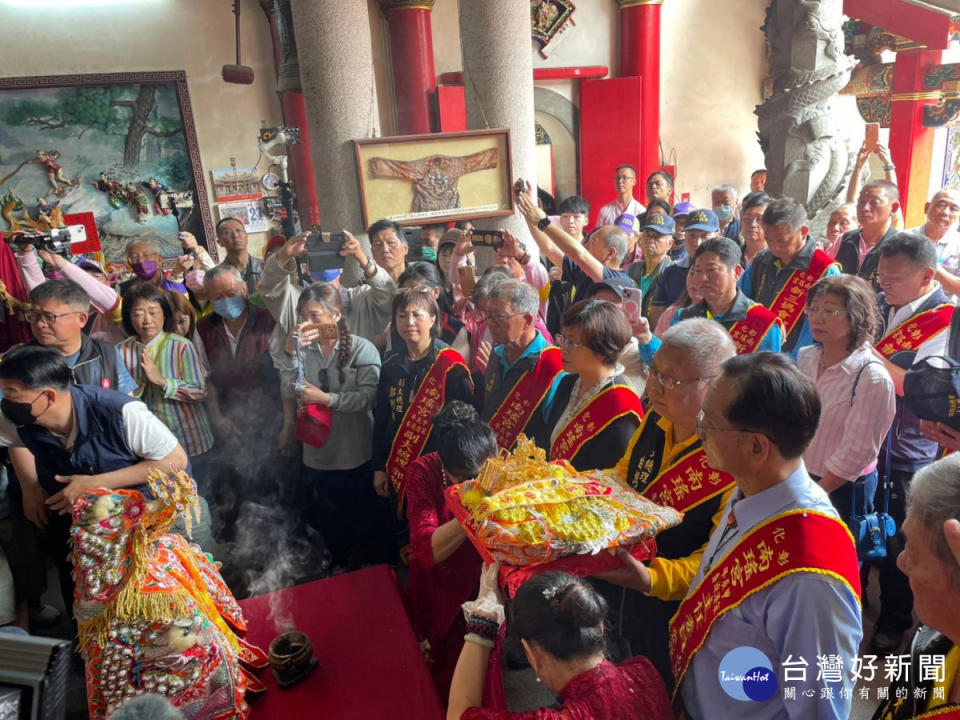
19,413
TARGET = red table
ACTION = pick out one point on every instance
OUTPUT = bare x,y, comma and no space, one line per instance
370,664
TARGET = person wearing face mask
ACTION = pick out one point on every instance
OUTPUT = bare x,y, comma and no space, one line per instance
79,437
430,239
242,344
144,259
725,205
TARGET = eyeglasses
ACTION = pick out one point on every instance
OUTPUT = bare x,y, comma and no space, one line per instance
701,427
137,257
750,220
669,383
568,344
500,318
813,312
35,316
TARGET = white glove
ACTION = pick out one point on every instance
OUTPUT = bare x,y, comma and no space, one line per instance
489,603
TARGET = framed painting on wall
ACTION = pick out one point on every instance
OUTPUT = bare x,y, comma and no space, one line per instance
120,145
440,177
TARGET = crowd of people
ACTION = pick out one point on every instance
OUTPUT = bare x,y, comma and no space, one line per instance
720,360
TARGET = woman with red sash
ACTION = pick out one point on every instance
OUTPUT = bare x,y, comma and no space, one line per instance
415,383
593,412
444,567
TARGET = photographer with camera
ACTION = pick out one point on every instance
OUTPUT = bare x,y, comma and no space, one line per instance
366,306
106,323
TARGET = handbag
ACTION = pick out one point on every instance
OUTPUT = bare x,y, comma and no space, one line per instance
313,420
871,530
931,389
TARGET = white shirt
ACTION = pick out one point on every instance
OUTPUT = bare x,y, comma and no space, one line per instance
611,211
937,345
948,247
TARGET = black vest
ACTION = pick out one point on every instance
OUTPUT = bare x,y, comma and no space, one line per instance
96,365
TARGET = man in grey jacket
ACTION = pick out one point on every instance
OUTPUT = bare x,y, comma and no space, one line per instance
366,306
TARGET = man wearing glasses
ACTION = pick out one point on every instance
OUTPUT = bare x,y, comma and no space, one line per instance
665,462
522,366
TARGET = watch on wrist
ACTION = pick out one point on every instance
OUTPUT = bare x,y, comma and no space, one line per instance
370,268
543,222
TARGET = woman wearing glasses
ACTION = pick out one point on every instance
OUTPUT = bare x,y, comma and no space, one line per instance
445,566
856,391
593,412
340,372
415,384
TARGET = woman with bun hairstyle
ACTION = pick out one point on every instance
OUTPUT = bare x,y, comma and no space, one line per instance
559,619
444,566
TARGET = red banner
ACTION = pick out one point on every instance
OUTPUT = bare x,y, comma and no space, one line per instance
916,330
611,404
747,334
792,298
687,483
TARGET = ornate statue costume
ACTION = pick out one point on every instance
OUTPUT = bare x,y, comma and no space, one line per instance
153,613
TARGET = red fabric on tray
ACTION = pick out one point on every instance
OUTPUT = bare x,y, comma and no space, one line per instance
512,576
370,665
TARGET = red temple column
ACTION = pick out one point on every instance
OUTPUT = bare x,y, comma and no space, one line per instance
911,144
640,56
293,108
411,52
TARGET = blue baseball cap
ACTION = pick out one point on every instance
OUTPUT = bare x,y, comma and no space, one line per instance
661,223
703,219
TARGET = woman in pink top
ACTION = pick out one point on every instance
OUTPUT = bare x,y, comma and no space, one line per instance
856,392
559,619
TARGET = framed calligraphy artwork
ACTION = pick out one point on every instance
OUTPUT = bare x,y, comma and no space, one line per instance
441,177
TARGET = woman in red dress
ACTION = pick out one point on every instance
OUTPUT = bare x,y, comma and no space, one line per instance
444,567
559,619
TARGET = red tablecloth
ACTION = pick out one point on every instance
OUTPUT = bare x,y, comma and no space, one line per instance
370,664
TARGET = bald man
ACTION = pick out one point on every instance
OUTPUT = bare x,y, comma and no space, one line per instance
943,214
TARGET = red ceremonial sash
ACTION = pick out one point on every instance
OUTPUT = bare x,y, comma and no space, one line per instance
789,303
520,403
414,430
916,330
795,541
687,483
611,404
747,334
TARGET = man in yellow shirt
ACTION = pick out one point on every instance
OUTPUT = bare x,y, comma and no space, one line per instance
665,462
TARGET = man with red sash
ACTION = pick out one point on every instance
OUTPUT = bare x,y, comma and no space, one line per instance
779,580
665,462
929,687
916,314
715,271
522,366
779,277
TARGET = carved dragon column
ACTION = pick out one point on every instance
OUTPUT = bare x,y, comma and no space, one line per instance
807,157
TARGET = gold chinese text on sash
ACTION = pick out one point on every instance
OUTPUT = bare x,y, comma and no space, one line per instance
414,430
795,541
789,303
747,334
687,483
612,404
518,406
916,330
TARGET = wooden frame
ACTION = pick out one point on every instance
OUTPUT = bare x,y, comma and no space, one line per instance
471,173
132,126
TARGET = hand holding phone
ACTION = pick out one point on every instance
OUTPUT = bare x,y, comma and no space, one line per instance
631,304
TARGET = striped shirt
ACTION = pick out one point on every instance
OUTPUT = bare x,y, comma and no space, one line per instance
852,427
180,403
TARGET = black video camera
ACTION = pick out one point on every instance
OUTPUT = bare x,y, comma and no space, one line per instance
57,240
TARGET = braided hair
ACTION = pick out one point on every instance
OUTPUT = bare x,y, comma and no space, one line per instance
328,296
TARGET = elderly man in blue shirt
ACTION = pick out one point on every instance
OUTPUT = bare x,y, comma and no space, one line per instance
775,636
